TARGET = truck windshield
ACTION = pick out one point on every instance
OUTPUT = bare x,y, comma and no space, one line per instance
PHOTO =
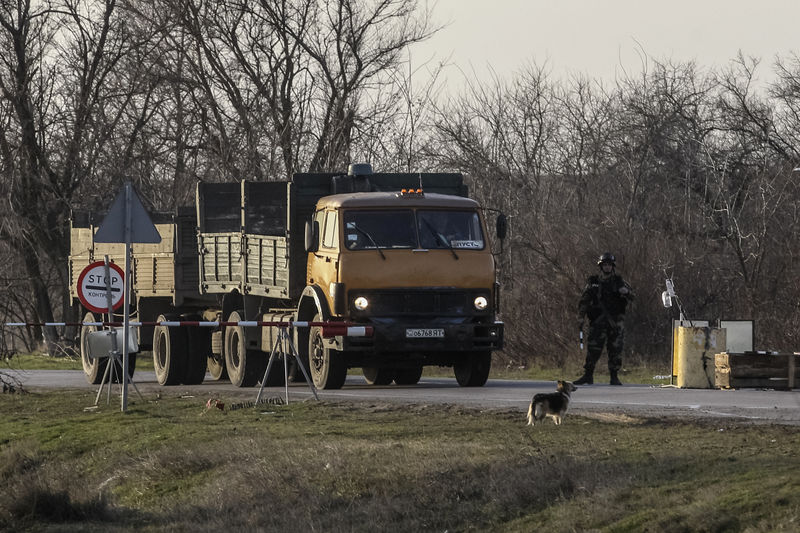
379,229
449,229
399,228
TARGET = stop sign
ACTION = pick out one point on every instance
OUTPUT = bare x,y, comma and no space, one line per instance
92,287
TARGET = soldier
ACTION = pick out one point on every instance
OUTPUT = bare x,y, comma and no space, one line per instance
604,300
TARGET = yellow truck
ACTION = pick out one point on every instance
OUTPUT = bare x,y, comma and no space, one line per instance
408,255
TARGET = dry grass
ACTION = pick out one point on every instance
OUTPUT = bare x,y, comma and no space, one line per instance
171,465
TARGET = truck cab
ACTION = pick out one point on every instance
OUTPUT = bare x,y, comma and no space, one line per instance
415,266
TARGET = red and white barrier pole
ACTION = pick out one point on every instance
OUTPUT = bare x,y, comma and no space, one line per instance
329,329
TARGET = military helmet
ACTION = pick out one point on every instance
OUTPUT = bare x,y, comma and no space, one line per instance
607,257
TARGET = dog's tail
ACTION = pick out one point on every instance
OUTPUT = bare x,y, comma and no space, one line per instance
530,414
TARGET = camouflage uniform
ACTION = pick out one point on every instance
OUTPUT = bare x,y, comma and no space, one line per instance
604,305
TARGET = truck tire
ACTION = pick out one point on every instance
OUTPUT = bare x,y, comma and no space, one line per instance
328,367
216,359
216,366
245,367
408,376
93,369
198,352
473,369
375,375
169,352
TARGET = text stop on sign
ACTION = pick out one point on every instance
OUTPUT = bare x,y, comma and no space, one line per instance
92,287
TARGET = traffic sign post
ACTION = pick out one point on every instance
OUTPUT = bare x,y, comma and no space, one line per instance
127,222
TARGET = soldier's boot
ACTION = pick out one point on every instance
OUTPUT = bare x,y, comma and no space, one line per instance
614,378
586,379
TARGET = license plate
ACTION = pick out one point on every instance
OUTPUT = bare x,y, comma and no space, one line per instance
424,333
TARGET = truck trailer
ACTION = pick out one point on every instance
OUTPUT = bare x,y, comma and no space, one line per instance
408,255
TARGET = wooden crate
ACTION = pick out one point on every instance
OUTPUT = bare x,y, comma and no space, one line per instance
750,370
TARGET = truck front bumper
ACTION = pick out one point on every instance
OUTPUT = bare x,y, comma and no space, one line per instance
397,337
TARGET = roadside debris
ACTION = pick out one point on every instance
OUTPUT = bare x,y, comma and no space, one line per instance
214,402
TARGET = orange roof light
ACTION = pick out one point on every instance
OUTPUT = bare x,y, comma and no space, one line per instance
410,193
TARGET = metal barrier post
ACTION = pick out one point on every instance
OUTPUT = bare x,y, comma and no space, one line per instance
288,350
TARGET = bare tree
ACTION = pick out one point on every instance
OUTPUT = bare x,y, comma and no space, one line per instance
62,103
353,45
291,82
395,129
30,225
748,114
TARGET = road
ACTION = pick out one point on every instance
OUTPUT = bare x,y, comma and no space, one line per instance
751,405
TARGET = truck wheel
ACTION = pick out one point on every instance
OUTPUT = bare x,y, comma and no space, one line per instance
245,367
473,369
408,376
375,375
93,369
328,367
216,366
198,352
169,352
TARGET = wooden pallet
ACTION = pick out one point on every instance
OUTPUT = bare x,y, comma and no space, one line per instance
750,370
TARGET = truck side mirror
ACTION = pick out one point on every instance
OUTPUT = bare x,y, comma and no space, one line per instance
312,236
502,226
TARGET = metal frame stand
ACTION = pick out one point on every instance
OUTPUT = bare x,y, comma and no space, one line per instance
108,376
284,343
110,369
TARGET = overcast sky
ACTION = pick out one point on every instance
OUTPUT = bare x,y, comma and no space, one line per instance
600,37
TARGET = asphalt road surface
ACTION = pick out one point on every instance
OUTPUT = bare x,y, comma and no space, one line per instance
750,405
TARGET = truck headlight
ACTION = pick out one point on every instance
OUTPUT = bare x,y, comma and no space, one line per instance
361,303
480,303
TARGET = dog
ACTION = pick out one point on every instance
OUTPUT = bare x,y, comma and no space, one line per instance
552,404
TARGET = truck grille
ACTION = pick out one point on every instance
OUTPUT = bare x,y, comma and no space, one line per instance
410,302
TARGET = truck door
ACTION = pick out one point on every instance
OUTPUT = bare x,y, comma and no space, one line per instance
323,267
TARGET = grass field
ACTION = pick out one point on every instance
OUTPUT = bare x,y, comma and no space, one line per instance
35,361
172,464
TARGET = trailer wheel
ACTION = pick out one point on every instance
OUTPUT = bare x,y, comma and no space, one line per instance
408,376
473,369
93,369
169,352
375,375
328,367
245,367
198,352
